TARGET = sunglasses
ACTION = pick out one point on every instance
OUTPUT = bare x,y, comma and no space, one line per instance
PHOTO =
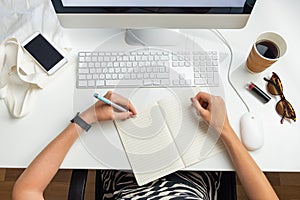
283,107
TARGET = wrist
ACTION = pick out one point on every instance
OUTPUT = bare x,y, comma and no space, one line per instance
82,122
227,133
88,118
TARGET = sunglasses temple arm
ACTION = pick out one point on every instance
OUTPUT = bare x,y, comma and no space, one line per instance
269,81
276,86
282,118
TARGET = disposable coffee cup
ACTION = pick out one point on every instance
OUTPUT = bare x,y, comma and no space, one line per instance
267,49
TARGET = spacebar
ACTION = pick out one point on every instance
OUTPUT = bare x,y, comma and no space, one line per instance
124,82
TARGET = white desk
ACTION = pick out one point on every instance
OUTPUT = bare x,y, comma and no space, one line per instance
21,140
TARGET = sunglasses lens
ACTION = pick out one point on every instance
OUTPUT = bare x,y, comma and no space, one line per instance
276,87
273,89
284,108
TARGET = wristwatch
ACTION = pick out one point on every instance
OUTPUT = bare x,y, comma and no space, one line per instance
78,120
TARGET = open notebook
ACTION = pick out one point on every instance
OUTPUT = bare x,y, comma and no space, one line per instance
166,137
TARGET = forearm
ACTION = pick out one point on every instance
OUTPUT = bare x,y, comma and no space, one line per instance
251,177
33,181
43,168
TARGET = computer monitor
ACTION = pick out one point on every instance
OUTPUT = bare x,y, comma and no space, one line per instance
153,13
171,14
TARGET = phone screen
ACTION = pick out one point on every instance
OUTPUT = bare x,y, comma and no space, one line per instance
43,52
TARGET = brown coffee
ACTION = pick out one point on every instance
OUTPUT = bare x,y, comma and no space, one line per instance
267,49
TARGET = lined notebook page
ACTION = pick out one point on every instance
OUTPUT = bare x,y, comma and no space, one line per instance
194,139
149,145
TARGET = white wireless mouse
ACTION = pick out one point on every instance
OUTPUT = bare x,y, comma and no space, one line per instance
251,131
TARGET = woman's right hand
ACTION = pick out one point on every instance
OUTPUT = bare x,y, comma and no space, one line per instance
213,110
103,112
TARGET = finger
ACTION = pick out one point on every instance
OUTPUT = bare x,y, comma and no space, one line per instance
204,96
198,106
122,115
131,108
119,99
108,94
204,99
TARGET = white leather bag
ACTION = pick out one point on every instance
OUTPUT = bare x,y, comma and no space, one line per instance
15,78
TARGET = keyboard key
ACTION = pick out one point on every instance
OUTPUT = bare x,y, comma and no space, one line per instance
176,82
210,81
109,64
123,70
188,82
82,65
82,83
182,82
197,75
200,81
100,58
89,76
162,76
147,82
115,76
91,65
116,64
102,76
108,76
121,76
156,82
209,69
216,78
91,83
83,71
92,70
203,75
82,77
81,59
99,70
124,82
127,76
133,76
163,69
165,82
209,74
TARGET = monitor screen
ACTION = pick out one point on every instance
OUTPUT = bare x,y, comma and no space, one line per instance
155,3
154,13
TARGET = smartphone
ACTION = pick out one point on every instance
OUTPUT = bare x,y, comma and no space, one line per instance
48,57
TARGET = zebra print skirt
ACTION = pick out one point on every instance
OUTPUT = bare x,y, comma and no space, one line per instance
179,185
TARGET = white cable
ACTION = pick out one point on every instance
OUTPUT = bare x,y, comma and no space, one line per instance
221,37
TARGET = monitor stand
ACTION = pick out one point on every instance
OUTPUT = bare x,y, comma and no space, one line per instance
152,37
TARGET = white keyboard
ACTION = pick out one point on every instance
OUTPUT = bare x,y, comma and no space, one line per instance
147,68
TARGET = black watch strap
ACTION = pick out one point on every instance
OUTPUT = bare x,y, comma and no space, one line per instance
78,120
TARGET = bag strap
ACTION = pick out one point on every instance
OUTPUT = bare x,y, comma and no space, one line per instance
35,80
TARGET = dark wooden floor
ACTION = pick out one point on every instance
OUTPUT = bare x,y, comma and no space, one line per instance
286,185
